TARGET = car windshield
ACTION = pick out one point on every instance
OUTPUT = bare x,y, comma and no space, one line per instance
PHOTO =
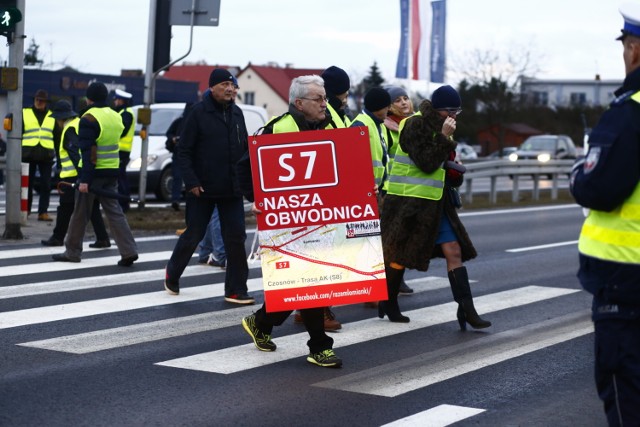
542,143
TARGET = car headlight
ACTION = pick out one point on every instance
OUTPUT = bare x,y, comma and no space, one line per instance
544,157
137,163
513,157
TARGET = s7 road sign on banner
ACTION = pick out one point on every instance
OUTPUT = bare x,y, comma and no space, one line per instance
319,228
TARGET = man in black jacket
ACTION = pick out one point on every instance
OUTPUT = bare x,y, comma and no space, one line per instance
213,139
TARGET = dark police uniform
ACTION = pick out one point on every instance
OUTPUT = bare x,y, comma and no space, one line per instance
607,182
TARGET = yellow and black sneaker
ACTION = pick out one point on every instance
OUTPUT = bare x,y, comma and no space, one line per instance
260,339
325,358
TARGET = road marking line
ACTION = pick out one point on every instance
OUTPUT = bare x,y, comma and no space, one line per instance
440,416
450,362
244,357
549,245
169,328
92,282
145,332
518,210
46,250
55,266
32,316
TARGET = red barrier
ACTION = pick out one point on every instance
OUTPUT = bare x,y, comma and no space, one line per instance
24,192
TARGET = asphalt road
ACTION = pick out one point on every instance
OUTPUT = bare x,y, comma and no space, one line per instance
102,345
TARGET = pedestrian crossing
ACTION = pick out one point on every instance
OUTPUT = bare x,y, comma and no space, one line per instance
427,369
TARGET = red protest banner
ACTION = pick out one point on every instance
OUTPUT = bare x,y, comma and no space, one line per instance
319,230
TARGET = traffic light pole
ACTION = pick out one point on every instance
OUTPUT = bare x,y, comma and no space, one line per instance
14,136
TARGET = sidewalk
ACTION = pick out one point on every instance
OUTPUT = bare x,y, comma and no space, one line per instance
33,232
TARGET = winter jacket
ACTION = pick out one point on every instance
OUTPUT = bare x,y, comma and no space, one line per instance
213,138
410,225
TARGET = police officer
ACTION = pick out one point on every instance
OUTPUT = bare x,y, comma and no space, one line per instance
121,101
38,149
607,182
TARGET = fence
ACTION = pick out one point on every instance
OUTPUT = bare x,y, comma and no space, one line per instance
535,169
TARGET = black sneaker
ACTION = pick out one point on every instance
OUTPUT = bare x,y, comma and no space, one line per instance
325,358
405,289
52,241
171,287
214,262
64,258
127,261
261,340
239,299
100,244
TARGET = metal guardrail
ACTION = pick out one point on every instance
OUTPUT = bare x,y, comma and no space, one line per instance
493,169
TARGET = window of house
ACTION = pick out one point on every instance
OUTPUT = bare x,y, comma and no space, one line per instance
540,98
578,98
250,98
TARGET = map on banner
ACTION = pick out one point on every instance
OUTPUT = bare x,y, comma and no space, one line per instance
318,228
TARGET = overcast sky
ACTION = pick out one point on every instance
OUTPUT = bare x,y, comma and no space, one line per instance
567,38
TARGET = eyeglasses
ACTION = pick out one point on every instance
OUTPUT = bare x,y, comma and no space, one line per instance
451,111
319,99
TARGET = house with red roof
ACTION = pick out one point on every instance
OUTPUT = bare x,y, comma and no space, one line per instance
268,86
196,72
262,85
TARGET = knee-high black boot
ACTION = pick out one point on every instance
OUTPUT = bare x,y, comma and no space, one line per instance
390,307
459,281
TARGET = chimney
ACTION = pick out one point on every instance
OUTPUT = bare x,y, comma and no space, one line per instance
597,77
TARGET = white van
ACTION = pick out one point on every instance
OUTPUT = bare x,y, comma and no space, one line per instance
159,177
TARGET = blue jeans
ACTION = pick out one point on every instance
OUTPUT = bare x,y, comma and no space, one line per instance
198,214
212,242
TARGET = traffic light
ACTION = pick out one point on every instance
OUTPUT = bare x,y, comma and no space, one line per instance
9,17
162,39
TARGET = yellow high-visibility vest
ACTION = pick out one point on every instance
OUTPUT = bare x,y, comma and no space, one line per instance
34,133
111,128
126,141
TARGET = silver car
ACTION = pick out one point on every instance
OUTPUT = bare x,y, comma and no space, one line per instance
159,176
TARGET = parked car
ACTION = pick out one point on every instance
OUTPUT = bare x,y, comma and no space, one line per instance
465,152
159,176
544,148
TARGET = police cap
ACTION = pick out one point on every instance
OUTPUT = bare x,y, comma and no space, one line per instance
121,94
630,11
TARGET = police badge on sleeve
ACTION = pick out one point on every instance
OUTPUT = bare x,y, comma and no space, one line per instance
592,159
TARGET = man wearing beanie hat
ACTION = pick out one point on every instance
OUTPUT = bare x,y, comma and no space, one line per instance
213,138
376,105
38,149
607,182
99,131
337,85
418,219
121,102
68,159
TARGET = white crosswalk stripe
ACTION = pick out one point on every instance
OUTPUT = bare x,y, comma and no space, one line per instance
380,380
225,361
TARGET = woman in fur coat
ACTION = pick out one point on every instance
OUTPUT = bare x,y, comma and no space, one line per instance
419,221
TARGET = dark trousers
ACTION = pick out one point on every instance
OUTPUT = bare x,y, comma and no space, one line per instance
617,343
313,319
197,215
123,182
45,185
65,209
176,184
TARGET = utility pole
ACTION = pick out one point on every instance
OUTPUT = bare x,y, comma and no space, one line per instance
14,136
